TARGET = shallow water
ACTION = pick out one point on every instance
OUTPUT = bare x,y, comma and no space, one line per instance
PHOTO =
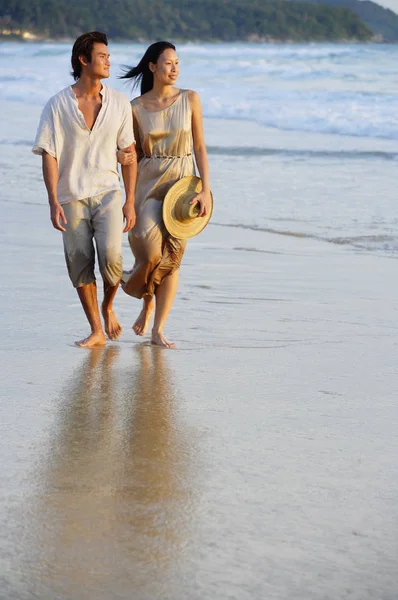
324,167
257,460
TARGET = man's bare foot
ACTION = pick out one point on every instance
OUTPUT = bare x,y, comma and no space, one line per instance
113,328
142,323
95,339
159,340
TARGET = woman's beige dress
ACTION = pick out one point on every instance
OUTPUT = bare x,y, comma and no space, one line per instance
165,142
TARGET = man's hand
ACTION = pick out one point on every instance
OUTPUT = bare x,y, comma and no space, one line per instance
129,216
57,216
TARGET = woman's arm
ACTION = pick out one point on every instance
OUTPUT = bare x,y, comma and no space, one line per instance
129,174
204,198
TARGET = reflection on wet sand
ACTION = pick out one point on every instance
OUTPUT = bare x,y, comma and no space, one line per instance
117,501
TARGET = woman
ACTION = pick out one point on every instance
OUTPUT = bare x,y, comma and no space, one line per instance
167,125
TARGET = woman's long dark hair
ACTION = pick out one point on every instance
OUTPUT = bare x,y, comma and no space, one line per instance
142,73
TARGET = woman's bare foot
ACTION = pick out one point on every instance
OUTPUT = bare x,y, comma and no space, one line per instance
113,328
159,340
142,323
97,338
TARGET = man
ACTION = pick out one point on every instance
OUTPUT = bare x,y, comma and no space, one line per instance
80,130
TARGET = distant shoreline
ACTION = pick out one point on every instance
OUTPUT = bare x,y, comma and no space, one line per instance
29,38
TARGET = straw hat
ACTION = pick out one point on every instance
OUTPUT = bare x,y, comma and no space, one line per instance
180,217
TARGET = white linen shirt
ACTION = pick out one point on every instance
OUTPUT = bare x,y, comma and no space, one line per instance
87,162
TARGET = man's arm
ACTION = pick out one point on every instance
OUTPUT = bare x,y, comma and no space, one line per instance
129,174
50,176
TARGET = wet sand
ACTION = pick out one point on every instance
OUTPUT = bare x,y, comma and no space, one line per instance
258,460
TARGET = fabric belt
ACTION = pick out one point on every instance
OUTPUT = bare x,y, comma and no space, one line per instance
158,156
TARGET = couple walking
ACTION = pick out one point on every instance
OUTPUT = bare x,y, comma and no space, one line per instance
84,131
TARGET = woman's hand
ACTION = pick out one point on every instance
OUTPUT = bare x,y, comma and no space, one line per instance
204,200
126,157
129,215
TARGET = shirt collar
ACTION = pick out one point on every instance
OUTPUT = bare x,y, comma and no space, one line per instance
103,92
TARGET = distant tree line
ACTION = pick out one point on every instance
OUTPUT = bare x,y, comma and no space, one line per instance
382,21
224,20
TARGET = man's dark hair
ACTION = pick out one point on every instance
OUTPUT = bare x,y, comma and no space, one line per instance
84,47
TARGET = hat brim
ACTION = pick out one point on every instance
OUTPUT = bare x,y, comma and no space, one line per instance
184,229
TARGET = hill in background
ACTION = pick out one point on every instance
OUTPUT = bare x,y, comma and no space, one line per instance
382,21
225,20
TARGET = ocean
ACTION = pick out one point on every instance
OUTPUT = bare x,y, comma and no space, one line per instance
328,113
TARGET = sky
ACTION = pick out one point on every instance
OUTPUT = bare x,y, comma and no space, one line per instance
391,4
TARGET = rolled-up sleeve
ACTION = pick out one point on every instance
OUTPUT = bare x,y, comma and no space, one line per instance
125,135
45,136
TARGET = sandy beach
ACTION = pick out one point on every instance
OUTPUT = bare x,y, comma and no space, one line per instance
258,459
